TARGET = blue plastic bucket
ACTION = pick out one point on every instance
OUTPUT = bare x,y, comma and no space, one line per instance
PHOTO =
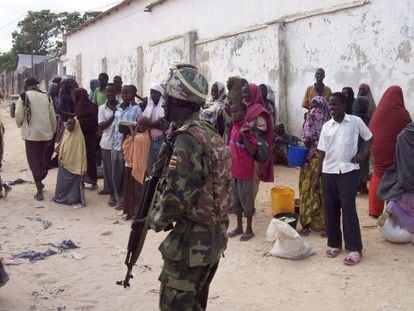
296,155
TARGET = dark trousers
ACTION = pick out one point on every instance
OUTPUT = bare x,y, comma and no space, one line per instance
339,194
90,145
38,156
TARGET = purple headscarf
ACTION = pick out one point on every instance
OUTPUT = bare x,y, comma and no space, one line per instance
317,116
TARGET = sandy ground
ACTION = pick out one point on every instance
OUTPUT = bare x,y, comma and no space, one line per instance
246,279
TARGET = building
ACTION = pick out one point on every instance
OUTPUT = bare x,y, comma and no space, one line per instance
276,42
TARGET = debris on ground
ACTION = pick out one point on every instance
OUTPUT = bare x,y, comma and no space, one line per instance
77,256
54,249
19,181
45,223
34,256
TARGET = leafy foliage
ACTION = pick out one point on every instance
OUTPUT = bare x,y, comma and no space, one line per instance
41,32
7,61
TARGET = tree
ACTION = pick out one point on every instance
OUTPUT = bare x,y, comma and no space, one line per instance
7,61
34,33
41,32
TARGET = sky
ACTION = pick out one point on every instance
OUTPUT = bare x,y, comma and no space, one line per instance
11,11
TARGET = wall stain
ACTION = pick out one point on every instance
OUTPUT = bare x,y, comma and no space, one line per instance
405,51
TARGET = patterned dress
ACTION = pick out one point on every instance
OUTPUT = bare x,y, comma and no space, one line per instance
311,204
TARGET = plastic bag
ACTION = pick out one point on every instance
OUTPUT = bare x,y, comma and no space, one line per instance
394,233
287,242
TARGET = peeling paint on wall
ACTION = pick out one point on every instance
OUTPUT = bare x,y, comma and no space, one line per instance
405,51
374,45
371,43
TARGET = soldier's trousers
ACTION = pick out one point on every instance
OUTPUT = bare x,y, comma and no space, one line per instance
185,288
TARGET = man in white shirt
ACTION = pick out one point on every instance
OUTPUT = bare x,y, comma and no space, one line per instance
106,116
339,165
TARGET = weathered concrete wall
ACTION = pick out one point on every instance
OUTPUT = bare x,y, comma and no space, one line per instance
275,42
372,44
158,57
253,55
117,36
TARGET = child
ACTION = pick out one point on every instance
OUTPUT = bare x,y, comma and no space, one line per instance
72,167
136,148
339,160
280,145
6,187
127,111
243,146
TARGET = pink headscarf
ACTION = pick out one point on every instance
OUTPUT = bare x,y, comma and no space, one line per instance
255,108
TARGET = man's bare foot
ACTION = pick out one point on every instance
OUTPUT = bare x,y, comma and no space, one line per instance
235,232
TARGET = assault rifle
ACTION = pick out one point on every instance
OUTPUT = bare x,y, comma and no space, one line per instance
140,224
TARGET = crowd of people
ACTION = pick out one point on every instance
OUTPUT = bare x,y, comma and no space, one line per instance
115,131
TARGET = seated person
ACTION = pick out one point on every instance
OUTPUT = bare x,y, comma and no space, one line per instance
280,145
397,184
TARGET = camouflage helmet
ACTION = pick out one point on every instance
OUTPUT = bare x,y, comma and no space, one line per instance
185,82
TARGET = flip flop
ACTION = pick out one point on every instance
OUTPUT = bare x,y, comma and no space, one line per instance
333,252
353,258
246,237
234,233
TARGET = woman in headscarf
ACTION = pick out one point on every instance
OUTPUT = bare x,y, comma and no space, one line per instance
365,90
87,115
269,100
260,121
158,125
349,97
397,184
72,166
53,93
360,109
312,214
216,112
234,86
387,122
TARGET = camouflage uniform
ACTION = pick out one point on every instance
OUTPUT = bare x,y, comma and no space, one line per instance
192,250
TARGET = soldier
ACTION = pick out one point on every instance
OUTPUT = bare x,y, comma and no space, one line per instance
195,193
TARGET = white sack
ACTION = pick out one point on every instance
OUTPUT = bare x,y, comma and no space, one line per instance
394,233
287,242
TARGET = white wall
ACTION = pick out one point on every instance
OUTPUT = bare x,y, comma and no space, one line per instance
119,34
372,43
